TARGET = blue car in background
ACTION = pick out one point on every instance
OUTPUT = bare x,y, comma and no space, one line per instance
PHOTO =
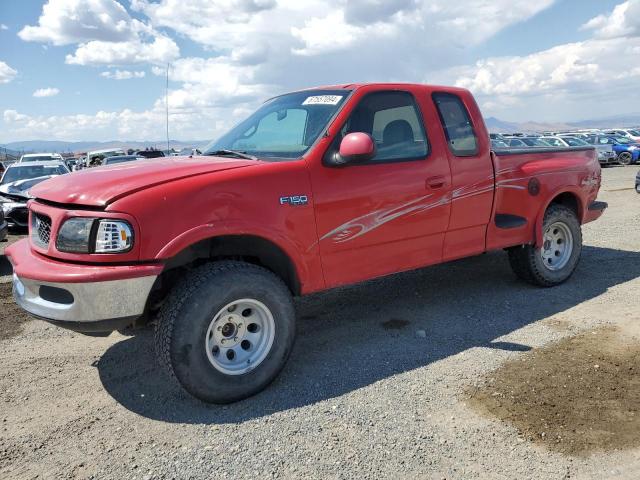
627,150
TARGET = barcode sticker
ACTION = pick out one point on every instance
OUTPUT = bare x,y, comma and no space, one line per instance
323,100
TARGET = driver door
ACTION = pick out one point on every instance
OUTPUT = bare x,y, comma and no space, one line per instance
389,214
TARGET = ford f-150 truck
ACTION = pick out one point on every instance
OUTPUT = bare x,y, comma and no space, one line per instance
316,189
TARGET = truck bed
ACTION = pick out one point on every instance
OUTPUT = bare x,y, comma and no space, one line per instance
523,174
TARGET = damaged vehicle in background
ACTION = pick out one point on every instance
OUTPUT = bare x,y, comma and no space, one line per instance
16,182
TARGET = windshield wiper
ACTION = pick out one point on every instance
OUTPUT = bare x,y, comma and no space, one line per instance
231,153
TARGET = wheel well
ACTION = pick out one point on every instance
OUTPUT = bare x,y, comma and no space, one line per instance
248,248
569,200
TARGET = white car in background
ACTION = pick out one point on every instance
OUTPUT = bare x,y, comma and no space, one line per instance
41,157
16,182
565,141
630,133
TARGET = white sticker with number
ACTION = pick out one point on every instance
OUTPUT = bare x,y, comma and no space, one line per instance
323,100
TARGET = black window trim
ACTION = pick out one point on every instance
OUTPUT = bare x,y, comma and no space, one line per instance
476,152
333,147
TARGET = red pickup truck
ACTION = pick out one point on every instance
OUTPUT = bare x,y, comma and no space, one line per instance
316,189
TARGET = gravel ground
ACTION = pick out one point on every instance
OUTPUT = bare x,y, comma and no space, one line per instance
377,385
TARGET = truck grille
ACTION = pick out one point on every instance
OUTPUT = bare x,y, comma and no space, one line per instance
40,230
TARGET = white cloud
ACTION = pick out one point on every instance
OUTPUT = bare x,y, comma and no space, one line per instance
575,76
162,49
623,21
6,73
3,27
105,33
123,124
220,24
213,82
423,23
122,74
46,92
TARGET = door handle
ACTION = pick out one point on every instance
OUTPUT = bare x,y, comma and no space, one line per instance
436,182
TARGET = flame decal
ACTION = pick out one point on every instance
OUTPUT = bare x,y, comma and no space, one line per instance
359,226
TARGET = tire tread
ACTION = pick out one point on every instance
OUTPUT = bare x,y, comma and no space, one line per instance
169,312
523,259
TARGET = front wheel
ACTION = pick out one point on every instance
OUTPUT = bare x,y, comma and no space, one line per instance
625,158
558,257
226,331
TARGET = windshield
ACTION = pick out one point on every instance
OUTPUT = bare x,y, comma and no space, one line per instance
635,133
112,160
535,142
38,158
621,140
575,142
555,142
285,126
13,174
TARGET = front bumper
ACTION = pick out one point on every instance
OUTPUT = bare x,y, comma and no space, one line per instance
607,158
84,298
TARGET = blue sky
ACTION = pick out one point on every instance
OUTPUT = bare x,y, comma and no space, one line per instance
547,60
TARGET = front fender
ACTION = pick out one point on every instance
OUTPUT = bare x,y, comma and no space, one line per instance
304,260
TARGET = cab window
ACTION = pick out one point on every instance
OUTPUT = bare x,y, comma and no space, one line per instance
394,122
457,125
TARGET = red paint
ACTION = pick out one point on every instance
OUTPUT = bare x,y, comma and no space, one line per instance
28,264
357,145
361,220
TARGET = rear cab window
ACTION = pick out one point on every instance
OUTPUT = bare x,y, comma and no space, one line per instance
456,122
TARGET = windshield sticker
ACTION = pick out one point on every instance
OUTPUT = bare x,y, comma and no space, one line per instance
323,100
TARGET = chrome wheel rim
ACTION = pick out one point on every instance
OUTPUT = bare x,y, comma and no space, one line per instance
240,336
557,246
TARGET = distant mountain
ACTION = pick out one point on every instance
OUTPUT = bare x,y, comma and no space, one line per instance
630,120
59,146
496,126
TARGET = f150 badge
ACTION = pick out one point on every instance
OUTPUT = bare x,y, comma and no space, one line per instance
294,200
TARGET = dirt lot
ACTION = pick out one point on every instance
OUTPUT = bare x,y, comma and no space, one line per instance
457,371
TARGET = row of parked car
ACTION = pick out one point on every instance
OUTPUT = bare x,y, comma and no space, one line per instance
615,146
32,168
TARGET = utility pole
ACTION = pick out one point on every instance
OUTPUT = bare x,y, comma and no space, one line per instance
167,102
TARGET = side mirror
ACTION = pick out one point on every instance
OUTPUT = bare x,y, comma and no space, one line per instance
357,147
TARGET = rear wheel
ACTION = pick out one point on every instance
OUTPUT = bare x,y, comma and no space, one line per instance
625,158
226,331
557,258
638,187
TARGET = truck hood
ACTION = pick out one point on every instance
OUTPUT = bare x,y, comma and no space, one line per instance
99,186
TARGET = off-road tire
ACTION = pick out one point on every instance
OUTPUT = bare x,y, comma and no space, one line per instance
526,260
185,316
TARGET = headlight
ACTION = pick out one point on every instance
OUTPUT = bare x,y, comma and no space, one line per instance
92,235
74,235
8,206
113,236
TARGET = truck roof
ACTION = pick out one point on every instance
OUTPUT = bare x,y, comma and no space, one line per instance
383,85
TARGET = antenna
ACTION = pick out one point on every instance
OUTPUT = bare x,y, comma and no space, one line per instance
167,102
